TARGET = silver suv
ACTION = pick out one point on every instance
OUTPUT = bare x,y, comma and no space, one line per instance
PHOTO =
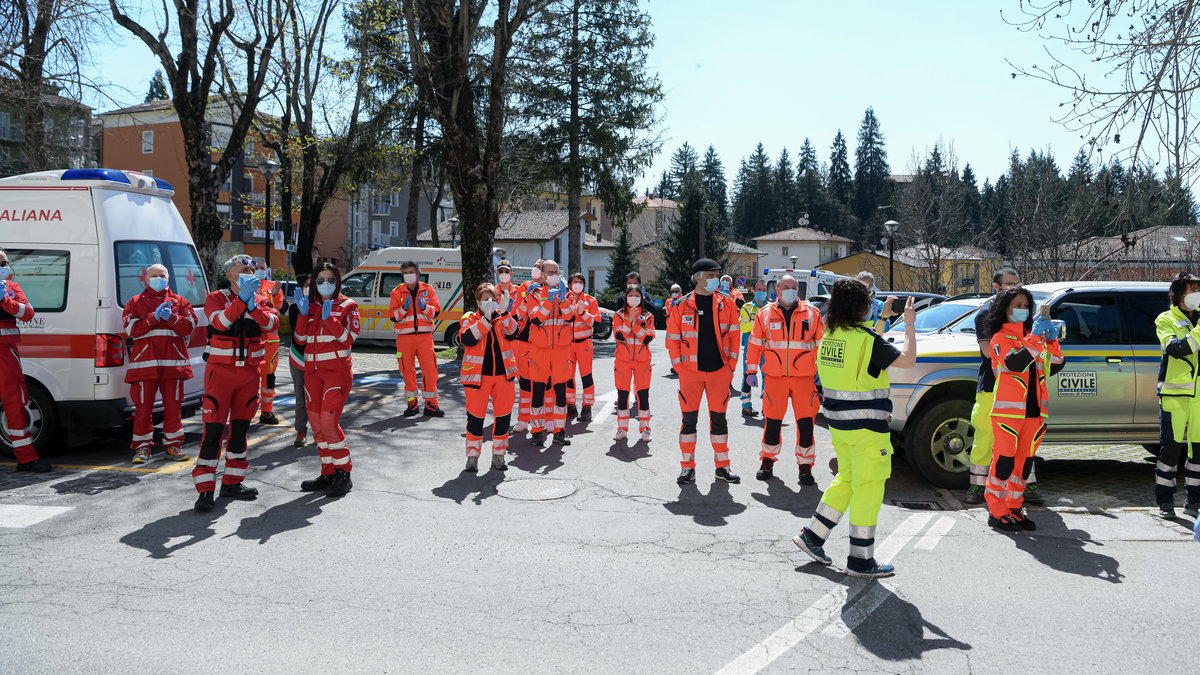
1106,393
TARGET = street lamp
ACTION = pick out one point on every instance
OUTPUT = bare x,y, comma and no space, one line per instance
268,167
453,231
891,226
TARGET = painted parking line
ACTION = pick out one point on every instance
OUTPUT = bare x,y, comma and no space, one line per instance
24,515
935,533
606,402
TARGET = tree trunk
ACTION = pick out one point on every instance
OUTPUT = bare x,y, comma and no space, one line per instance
435,209
414,181
574,236
32,66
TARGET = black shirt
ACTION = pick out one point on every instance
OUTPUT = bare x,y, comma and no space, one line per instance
987,377
883,353
709,358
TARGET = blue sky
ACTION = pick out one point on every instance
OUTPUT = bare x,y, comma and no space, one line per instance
776,71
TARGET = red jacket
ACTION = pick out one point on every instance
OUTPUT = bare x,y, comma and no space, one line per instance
236,335
327,342
413,319
631,327
13,308
159,349
549,320
683,335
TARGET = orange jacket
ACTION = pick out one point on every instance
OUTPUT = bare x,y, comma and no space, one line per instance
633,328
683,336
785,349
13,308
587,313
549,320
160,348
473,331
271,293
1012,385
327,342
414,313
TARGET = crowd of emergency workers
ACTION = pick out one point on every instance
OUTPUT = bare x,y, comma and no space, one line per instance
527,344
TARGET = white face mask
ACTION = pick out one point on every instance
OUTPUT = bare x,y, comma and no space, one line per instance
553,279
788,296
505,277
577,288
634,300
535,274
410,279
1192,301
487,307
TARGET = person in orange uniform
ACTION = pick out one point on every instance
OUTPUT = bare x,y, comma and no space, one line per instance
550,314
521,345
703,337
414,308
727,288
159,322
14,393
269,294
587,313
633,330
784,340
237,330
488,370
1025,352
671,305
329,323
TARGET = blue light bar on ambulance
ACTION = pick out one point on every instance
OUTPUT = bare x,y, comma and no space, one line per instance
96,174
163,185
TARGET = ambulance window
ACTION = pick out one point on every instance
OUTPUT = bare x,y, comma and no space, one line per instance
187,277
390,280
43,276
181,261
361,285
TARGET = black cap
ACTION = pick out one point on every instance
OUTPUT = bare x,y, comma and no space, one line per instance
706,265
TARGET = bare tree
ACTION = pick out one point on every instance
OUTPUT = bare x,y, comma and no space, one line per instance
934,217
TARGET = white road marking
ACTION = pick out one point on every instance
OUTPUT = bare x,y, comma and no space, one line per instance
23,515
606,403
826,607
845,623
935,533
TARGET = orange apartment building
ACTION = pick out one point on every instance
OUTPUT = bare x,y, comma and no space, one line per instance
148,138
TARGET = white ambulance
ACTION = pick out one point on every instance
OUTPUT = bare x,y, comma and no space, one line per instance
371,285
812,282
79,242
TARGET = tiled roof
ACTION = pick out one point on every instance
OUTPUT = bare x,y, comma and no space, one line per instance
537,226
656,202
801,234
162,104
734,247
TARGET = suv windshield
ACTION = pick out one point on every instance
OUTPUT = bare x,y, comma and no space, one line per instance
934,317
967,323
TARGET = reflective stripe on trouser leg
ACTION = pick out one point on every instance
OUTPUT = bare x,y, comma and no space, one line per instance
559,418
1006,434
1032,429
143,414
824,520
204,475
644,419
623,420
14,396
474,445
687,438
719,435
236,454
270,362
643,396
525,409
772,438
983,440
331,387
862,548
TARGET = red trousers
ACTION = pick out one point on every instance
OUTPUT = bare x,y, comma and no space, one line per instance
143,393
580,361
499,390
1015,443
637,373
266,390
548,370
14,396
802,392
326,389
694,385
230,397
524,382
411,349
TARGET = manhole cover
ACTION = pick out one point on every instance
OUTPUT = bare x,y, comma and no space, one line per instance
535,489
918,505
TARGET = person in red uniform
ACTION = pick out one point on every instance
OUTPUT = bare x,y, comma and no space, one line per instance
269,293
414,308
328,325
703,337
633,330
14,394
160,322
488,370
550,313
521,346
587,313
237,330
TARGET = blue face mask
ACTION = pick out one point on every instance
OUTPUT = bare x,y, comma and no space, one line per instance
244,279
261,274
157,284
788,296
1019,315
5,273
712,284
760,297
326,289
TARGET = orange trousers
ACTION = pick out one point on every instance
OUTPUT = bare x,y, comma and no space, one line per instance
802,392
266,388
580,361
548,371
694,385
499,391
410,349
1015,444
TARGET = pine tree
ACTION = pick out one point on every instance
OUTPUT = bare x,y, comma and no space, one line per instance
712,174
784,190
808,158
666,187
974,211
754,199
685,160
621,261
841,184
681,247
158,88
870,177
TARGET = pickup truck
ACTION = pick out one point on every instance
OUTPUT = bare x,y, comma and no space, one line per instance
1106,393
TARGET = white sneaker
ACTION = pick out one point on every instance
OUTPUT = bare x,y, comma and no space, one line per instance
521,427
141,456
645,435
621,435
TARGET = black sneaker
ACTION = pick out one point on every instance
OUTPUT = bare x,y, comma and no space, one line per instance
1033,495
875,571
686,476
1191,509
767,470
572,411
1166,511
39,465
412,408
560,437
804,541
728,476
238,491
806,477
537,439
339,484
204,503
749,412
974,495
585,415
269,417
433,410
317,484
1005,523
1022,518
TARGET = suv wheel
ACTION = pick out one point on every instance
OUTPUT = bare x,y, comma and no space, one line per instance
939,443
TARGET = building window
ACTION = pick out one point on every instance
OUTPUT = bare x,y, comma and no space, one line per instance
247,183
5,125
248,151
395,199
785,250
147,142
49,124
394,227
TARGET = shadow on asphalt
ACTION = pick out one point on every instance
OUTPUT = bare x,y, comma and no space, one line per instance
155,538
628,452
896,631
294,515
1056,546
711,510
801,503
464,485
533,459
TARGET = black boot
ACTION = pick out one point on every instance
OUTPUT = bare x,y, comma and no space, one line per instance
412,408
726,475
317,484
204,503
537,439
238,491
806,477
767,470
39,465
433,410
498,463
340,484
686,476
572,411
585,415
268,417
560,437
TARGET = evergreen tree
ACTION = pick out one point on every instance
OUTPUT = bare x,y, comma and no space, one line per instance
158,88
712,174
974,212
755,199
841,185
808,158
681,247
685,160
666,187
784,190
870,178
621,261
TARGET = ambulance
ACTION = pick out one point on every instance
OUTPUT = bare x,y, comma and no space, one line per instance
371,285
812,282
79,242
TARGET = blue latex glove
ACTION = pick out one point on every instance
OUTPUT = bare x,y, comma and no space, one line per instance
407,302
534,287
752,379
247,290
301,301
1042,325
163,312
420,304
326,309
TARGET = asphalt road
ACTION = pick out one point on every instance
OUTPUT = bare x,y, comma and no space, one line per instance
425,569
